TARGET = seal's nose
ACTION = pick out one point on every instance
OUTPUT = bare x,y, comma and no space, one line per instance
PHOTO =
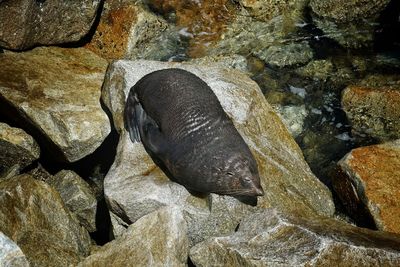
259,191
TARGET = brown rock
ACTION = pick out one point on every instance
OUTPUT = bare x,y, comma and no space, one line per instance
33,215
373,112
374,172
128,30
27,23
271,238
55,92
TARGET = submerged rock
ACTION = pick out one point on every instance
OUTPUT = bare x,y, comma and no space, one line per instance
27,23
34,216
270,238
17,148
55,92
135,186
374,178
373,112
350,23
157,239
128,30
77,196
10,254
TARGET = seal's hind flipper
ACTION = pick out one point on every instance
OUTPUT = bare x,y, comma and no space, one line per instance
132,114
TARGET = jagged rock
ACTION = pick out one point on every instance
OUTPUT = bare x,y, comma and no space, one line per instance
135,186
350,23
77,196
128,30
40,173
233,61
10,254
265,10
293,117
26,23
373,112
62,111
270,238
286,55
319,70
157,239
17,148
373,174
33,215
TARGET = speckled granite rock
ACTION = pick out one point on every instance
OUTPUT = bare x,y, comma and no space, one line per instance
10,254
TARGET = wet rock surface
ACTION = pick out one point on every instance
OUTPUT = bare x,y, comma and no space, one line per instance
157,239
10,253
134,186
77,196
374,112
17,150
373,174
27,23
63,111
33,215
270,238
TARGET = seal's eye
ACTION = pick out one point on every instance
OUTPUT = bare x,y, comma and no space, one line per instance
229,174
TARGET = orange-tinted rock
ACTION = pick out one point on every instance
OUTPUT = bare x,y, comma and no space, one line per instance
373,112
205,20
127,30
374,172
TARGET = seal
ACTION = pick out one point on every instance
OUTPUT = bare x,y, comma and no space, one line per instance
181,123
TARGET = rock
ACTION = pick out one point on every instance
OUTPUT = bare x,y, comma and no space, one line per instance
17,148
266,10
40,173
373,112
234,62
374,175
293,117
157,239
27,23
135,186
286,55
34,216
351,23
77,196
319,70
270,238
11,254
128,30
63,112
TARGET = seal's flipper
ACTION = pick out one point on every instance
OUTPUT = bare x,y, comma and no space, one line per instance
151,135
131,116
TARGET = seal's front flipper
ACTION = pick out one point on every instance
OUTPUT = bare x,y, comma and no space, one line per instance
132,113
151,134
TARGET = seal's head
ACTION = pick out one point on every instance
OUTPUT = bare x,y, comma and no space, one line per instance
237,175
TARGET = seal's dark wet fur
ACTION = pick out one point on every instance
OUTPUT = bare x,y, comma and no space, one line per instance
180,121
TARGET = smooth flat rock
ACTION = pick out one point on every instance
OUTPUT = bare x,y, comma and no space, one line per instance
135,186
271,238
27,23
157,239
34,216
56,93
374,176
17,148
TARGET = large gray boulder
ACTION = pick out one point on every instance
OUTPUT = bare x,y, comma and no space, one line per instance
135,186
55,92
26,23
